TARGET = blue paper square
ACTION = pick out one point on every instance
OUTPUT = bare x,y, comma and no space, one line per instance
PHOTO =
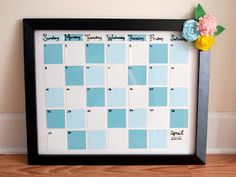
179,118
75,119
116,97
54,97
95,97
94,53
74,75
158,138
137,75
52,54
76,140
55,118
95,75
116,118
137,139
137,118
179,53
158,75
115,53
158,53
158,96
179,97
97,139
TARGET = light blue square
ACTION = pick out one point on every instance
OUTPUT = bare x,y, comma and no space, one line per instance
56,118
95,97
158,96
179,53
52,54
137,118
179,118
179,97
75,119
97,139
115,53
76,140
158,138
158,53
137,75
116,118
54,97
95,75
116,97
94,53
158,75
137,139
74,75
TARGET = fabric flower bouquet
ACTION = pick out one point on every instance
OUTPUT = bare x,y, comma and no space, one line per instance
202,29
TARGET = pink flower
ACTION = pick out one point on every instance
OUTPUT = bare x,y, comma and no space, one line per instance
207,25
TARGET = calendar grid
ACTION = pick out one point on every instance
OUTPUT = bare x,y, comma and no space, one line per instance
147,98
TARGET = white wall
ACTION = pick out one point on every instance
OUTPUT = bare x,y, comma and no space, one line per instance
222,81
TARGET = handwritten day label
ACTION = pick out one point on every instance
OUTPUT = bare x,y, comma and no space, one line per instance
52,37
113,37
73,37
137,37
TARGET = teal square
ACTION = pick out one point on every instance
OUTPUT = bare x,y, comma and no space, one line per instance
179,53
54,97
158,138
116,118
137,139
55,118
95,53
158,96
179,118
116,97
179,97
53,54
158,53
158,75
75,118
95,75
76,140
137,75
97,139
95,97
137,118
116,53
74,75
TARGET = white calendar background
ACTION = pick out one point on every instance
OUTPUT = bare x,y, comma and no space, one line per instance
115,92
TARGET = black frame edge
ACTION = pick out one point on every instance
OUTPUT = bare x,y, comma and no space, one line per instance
30,91
202,105
110,24
30,25
116,160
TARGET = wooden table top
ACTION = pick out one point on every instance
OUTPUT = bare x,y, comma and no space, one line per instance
217,166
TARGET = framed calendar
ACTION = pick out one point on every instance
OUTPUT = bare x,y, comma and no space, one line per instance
114,91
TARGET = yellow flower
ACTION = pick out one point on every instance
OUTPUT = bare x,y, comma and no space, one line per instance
204,43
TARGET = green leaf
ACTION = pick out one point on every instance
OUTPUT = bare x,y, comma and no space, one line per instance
199,12
219,30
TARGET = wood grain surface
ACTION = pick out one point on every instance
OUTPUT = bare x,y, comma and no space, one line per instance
217,166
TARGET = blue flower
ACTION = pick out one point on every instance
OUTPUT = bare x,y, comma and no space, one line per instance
190,31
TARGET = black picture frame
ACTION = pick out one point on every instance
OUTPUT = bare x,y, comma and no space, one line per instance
31,25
